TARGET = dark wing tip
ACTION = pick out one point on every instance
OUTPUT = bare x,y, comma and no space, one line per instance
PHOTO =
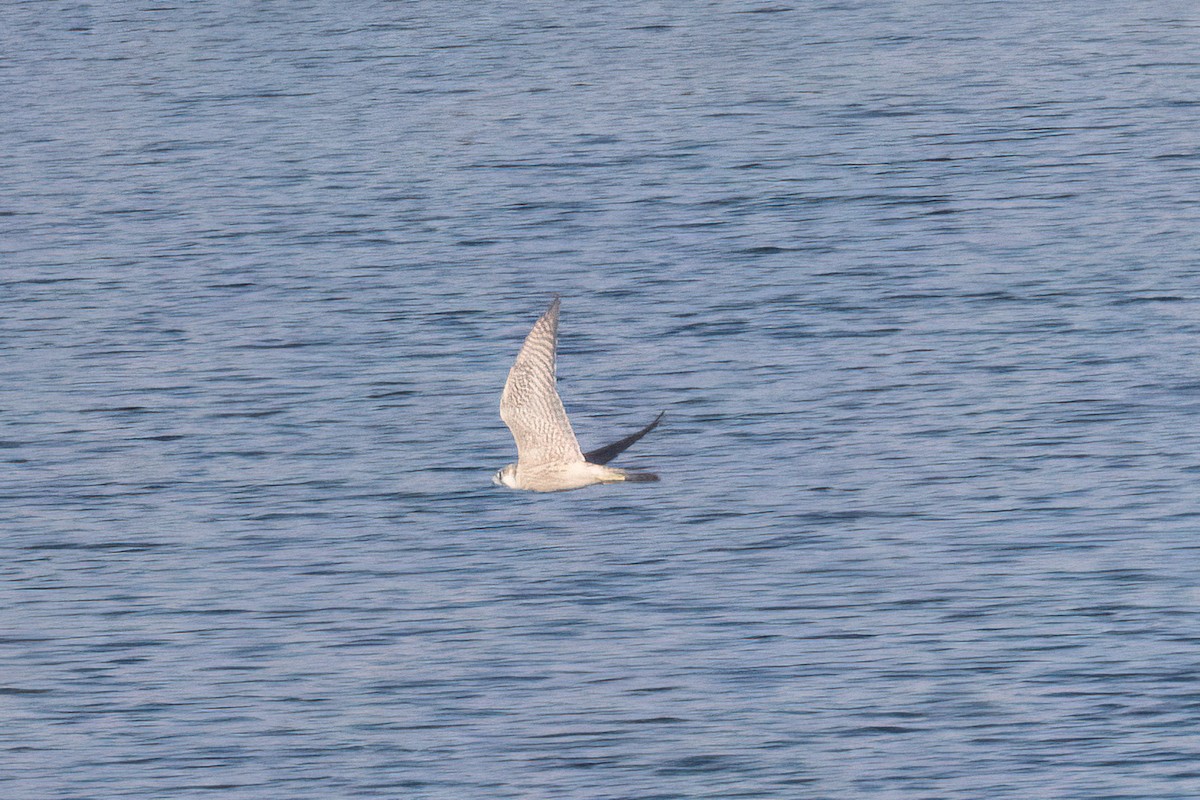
603,455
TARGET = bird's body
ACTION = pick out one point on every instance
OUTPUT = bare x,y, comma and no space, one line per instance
548,455
558,477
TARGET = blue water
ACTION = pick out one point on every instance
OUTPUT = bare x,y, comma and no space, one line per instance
915,283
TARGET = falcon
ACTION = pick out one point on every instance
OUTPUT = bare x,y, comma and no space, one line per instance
548,455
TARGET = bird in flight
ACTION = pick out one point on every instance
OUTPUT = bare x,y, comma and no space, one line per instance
548,455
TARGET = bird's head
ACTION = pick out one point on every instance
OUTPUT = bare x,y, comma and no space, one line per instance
506,476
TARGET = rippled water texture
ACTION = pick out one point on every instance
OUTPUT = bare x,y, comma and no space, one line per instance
915,283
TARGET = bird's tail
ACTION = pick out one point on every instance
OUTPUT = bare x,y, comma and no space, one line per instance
614,474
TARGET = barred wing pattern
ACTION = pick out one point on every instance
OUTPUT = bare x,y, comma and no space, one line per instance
530,405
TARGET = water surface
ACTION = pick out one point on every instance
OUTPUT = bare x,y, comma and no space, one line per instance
914,282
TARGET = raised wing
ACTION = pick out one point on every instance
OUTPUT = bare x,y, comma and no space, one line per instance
530,405
603,455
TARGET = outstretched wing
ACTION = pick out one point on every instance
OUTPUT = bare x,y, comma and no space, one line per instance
530,405
603,455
